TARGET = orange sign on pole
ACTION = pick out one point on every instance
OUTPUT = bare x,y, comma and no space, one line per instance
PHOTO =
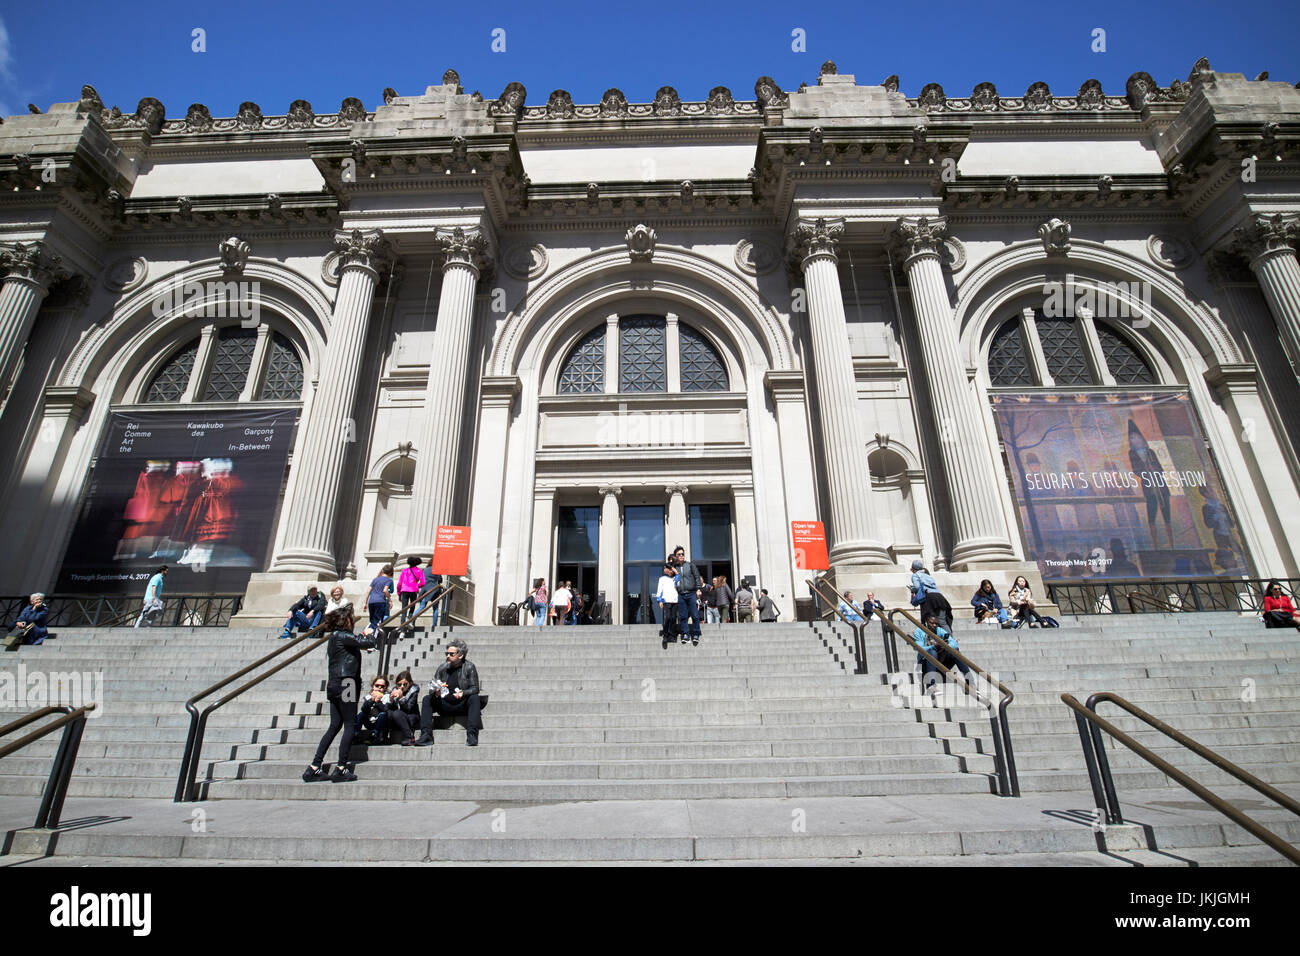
451,550
810,546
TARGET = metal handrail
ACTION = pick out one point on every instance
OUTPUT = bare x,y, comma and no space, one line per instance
1091,724
408,626
73,723
1149,600
186,782
1004,753
859,641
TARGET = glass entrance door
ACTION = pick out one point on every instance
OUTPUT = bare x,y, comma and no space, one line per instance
578,556
711,542
643,561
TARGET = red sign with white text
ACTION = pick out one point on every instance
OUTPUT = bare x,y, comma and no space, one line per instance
810,546
451,550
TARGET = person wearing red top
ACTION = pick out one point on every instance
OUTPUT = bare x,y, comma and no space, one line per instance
1278,610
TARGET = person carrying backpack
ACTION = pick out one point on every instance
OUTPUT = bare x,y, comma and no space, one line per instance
688,605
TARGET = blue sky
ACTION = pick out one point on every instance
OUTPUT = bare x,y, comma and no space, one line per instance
273,53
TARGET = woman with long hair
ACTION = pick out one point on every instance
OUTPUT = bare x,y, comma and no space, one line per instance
343,692
1278,610
1021,600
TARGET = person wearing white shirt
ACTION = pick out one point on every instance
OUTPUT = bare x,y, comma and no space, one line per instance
337,600
667,598
560,603
849,609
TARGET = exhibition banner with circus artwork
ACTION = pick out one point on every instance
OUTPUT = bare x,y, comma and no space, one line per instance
1117,486
196,491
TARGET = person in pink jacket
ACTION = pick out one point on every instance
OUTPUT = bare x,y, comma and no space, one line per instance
410,584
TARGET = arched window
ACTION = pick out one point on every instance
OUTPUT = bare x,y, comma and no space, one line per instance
233,362
702,368
643,354
584,369
1064,354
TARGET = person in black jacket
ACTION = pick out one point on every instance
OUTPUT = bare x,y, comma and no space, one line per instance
688,605
454,690
404,707
306,613
343,692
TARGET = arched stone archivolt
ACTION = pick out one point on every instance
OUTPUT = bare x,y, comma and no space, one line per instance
111,354
1177,326
603,278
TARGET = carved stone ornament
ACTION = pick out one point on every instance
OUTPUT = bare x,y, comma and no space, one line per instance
769,95
613,103
127,274
274,204
1055,234
149,114
300,115
920,237
756,257
1201,73
363,250
185,208
828,69
451,78
817,239
1267,235
687,190
329,269
234,254
198,119
560,105
463,247
932,97
1169,252
511,100
891,83
593,192
352,110
390,94
1104,186
641,241
1011,186
249,116
1038,97
1141,89
984,97
526,262
953,254
720,100
90,101
31,261
1091,96
667,102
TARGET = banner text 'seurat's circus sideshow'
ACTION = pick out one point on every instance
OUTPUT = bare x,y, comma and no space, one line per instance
195,491
1117,486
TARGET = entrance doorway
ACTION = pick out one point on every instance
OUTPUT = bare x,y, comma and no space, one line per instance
711,542
643,562
578,553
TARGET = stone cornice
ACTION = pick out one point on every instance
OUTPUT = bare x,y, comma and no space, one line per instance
499,391
1233,379
223,212
785,386
1052,192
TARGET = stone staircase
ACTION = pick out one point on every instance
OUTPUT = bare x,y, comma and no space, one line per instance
600,745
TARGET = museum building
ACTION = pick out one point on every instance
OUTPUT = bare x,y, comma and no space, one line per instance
1039,334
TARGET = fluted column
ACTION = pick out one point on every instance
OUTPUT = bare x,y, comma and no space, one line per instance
1269,244
611,552
981,532
854,539
438,441
679,527
331,429
28,270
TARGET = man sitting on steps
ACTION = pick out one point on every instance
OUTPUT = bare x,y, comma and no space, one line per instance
454,690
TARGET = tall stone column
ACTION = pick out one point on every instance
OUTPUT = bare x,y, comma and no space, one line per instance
679,526
28,270
854,539
1268,244
331,430
980,532
611,553
438,441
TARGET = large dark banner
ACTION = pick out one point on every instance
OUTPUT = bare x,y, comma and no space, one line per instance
196,491
1117,486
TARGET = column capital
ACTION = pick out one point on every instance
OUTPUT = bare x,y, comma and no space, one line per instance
818,239
784,385
920,238
31,262
463,247
607,491
1264,236
71,401
671,490
368,251
500,390
1238,379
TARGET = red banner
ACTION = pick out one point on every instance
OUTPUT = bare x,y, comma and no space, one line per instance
451,550
810,546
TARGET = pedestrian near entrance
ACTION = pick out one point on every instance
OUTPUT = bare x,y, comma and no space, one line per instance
744,604
343,690
1278,610
540,602
721,597
306,613
560,604
942,651
667,597
768,612
381,593
409,585
688,606
153,602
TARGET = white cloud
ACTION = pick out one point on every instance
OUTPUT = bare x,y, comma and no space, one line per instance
6,56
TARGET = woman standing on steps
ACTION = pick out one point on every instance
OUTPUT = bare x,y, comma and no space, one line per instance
343,691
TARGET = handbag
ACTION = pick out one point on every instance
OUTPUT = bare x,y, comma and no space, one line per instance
13,638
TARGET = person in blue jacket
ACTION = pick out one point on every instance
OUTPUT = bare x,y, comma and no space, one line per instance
987,604
943,654
31,622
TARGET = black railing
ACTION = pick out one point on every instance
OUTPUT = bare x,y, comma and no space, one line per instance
1210,594
187,780
1103,783
122,610
73,723
1003,754
858,627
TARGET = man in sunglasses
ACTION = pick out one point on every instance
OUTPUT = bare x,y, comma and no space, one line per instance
454,690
